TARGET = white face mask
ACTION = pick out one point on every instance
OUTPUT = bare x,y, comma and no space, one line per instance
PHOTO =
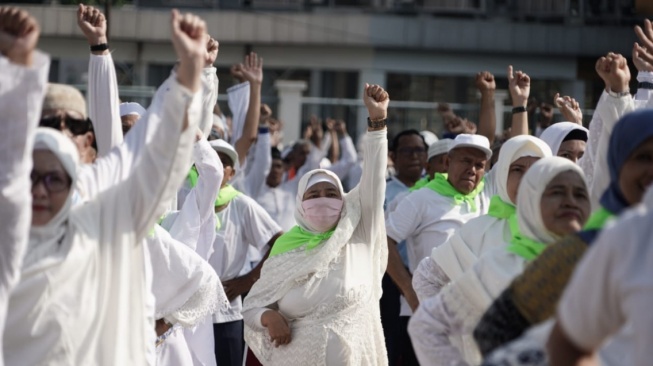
322,214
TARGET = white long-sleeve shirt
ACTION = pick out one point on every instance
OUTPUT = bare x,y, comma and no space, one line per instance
21,97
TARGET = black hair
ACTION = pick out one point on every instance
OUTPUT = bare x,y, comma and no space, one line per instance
276,154
576,134
395,140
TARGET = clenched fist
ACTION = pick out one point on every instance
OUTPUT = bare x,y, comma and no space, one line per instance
93,24
376,100
19,33
189,39
485,82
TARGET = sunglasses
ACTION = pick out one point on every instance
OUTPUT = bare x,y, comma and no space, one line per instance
74,125
54,182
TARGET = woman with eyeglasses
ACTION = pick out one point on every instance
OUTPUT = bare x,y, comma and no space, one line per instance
81,297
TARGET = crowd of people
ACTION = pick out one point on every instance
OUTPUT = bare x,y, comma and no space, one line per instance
175,235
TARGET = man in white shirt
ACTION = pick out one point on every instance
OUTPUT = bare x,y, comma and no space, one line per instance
428,217
241,223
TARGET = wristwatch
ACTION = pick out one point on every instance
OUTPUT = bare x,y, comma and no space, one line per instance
376,124
618,94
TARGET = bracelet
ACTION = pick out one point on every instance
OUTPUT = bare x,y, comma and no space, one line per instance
376,124
618,94
100,47
263,129
520,109
645,85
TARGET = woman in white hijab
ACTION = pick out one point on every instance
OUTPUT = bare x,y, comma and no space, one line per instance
317,300
486,232
80,299
566,139
552,202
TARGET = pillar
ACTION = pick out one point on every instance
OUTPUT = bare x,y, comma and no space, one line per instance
290,107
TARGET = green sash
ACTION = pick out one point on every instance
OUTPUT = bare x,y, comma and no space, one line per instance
524,247
441,185
598,219
296,237
419,184
500,209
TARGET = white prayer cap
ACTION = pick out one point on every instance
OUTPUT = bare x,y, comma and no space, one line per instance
474,141
320,177
224,147
131,109
429,137
64,97
439,147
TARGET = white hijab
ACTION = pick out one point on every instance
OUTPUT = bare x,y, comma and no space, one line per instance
44,240
529,196
483,233
512,150
309,179
556,133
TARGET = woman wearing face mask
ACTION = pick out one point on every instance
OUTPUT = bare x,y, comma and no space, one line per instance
552,202
317,300
527,301
481,234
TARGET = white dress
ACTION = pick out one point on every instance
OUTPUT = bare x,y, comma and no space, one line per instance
21,95
330,294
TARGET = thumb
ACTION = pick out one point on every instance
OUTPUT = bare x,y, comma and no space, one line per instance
175,21
510,75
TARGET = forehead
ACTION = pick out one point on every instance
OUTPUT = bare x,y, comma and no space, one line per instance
525,160
410,140
46,160
469,152
567,178
326,186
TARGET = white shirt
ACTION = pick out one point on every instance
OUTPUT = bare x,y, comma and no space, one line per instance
21,95
242,223
279,203
613,286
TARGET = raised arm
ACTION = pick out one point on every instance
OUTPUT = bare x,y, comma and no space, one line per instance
372,185
102,93
349,155
196,220
161,168
252,72
23,81
210,87
260,167
487,119
519,85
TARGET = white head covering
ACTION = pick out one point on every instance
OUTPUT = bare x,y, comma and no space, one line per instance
310,178
529,197
226,148
439,147
64,97
513,149
556,133
131,109
478,142
429,137
43,238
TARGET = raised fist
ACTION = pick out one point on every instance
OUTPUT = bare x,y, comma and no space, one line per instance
212,48
19,33
93,24
569,108
485,81
189,39
519,85
376,100
613,69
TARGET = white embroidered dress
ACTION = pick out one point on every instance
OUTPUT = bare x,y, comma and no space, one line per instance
330,294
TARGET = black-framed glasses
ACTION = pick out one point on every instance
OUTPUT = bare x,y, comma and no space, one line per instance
74,125
409,151
53,181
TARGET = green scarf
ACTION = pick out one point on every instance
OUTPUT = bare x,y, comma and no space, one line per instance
192,176
226,194
598,219
296,237
524,247
419,184
441,185
500,209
